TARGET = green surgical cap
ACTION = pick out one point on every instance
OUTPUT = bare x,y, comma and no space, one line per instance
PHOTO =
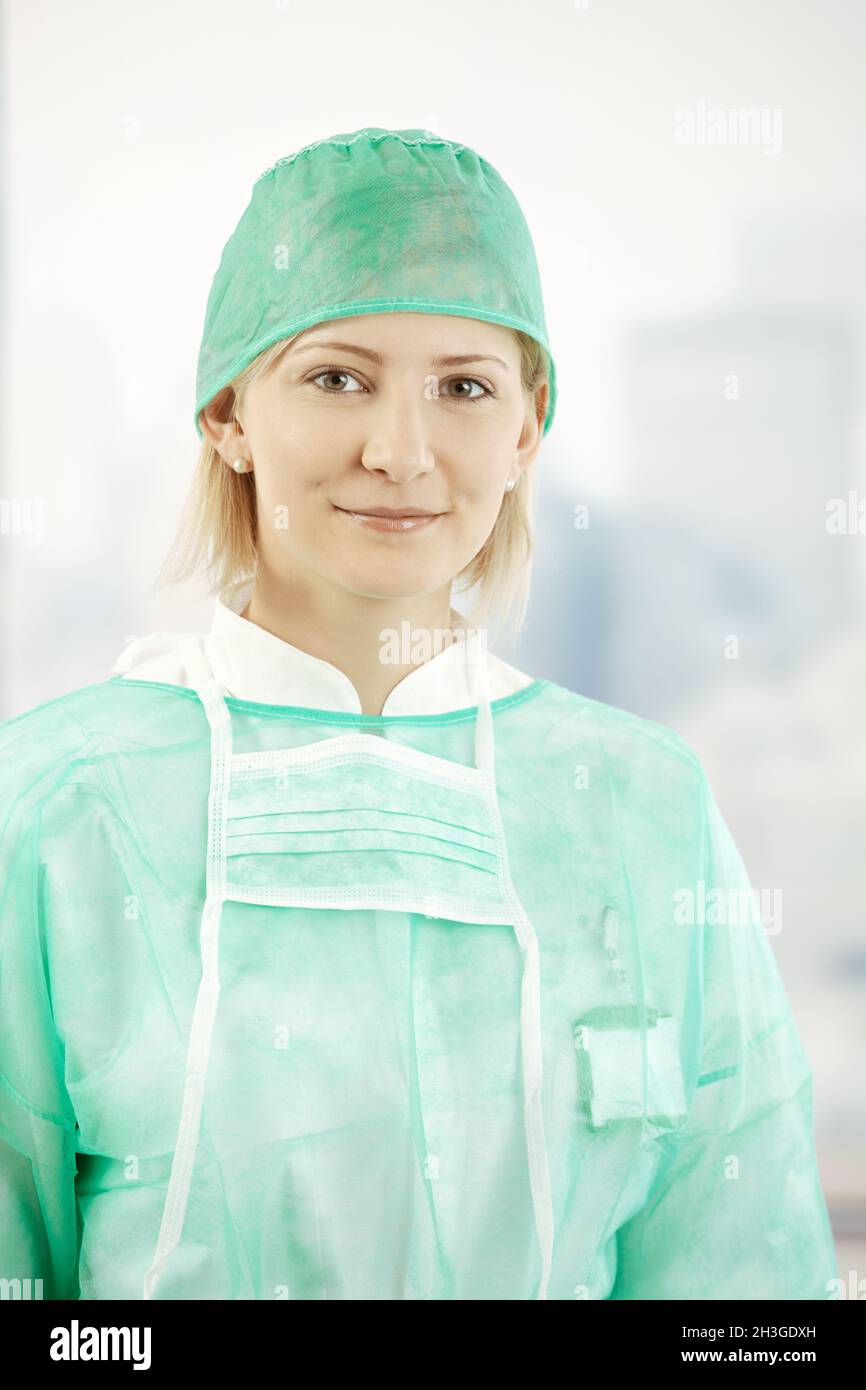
376,221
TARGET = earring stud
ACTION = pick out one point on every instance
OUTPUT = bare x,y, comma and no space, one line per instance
240,465
509,485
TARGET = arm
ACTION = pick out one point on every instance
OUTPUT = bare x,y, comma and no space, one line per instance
38,1211
738,1211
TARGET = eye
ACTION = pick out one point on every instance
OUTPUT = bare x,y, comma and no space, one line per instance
337,372
445,388
484,391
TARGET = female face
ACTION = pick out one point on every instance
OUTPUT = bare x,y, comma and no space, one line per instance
401,411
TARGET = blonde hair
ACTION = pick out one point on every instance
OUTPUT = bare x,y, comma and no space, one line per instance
219,528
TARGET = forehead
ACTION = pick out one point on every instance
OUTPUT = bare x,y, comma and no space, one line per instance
412,332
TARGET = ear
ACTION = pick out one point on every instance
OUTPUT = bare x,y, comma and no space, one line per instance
220,426
532,433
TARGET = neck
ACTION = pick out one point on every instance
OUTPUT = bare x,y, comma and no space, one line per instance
365,638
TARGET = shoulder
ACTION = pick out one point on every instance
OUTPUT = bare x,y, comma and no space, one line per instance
618,731
634,759
41,747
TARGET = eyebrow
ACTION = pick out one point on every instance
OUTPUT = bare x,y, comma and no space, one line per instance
452,360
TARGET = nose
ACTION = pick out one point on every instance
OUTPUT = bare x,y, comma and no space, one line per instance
397,441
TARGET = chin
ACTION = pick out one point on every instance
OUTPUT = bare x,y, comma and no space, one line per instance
391,586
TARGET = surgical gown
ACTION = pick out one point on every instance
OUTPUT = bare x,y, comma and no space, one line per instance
272,980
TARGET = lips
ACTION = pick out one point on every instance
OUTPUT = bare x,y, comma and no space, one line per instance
393,512
386,519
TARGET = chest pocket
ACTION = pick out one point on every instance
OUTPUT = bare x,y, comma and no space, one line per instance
630,1069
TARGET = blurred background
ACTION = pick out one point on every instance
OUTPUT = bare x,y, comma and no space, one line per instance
692,174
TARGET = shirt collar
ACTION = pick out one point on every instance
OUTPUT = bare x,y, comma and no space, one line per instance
253,664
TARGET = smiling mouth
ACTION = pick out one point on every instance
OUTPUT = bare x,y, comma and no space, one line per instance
388,519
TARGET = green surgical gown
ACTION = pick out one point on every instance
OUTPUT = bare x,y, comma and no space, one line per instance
351,1054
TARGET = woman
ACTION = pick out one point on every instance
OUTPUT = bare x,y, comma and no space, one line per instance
340,959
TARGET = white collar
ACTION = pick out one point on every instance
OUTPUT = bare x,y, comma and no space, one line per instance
252,664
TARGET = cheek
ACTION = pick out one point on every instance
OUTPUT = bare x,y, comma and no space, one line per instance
287,477
482,490
480,473
474,523
294,508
